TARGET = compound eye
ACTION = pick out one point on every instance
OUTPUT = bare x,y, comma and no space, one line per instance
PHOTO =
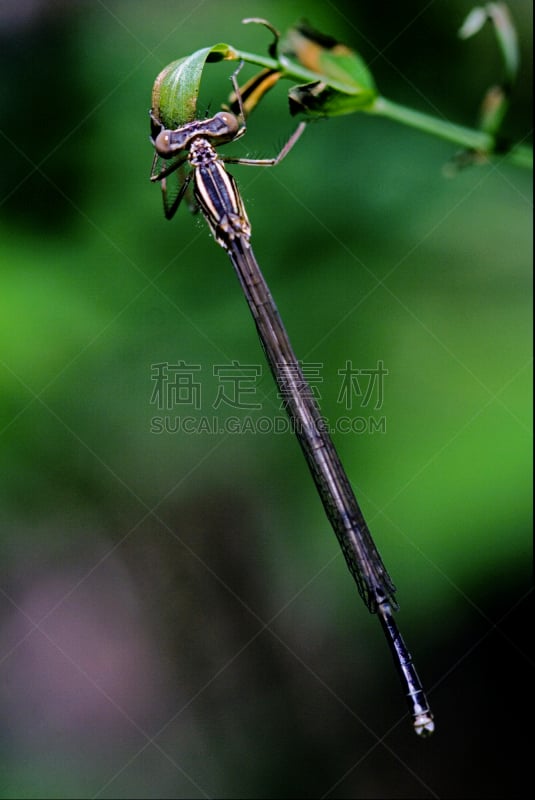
162,144
229,120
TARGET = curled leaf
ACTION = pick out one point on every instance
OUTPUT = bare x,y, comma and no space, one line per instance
176,89
318,99
274,46
344,83
331,61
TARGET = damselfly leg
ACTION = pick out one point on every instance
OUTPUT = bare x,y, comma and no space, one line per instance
172,148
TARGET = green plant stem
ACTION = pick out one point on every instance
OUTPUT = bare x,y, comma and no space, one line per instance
468,138
293,71
465,137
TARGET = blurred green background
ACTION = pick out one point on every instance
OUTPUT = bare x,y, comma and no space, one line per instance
176,618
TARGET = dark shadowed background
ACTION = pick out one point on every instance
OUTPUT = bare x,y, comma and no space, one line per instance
176,619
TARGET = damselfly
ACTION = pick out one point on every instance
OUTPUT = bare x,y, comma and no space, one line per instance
193,145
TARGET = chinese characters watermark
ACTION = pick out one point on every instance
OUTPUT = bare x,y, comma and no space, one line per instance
180,395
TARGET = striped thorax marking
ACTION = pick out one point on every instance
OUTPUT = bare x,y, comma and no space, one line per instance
217,194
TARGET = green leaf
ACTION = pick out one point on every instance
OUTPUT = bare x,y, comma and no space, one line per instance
331,61
320,100
176,89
